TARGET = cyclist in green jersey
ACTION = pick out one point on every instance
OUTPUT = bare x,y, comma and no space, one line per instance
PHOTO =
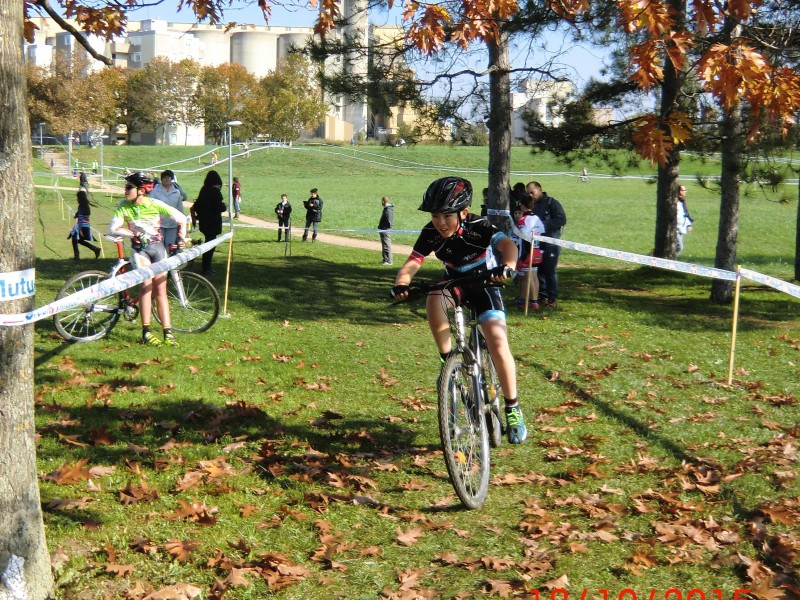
139,218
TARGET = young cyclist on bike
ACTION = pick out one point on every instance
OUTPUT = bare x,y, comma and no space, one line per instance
461,241
139,218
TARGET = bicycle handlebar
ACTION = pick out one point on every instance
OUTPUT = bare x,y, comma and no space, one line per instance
418,290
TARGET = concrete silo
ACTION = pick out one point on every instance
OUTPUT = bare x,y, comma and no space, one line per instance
293,37
257,50
215,45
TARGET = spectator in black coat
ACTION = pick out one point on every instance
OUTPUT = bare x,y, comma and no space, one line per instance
313,214
283,210
208,209
552,215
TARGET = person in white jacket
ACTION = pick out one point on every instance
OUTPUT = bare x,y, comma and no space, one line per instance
684,219
171,194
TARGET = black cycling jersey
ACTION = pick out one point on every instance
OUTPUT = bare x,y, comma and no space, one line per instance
464,251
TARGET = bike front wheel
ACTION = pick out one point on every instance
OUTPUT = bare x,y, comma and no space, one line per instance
462,428
492,393
90,321
197,309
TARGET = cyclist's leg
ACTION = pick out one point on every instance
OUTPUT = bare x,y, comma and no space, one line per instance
492,317
146,301
496,334
157,252
438,321
162,301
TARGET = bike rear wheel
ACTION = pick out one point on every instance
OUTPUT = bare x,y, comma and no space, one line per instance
199,310
90,321
493,393
462,429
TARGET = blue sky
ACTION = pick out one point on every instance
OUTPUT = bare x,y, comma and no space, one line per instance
580,62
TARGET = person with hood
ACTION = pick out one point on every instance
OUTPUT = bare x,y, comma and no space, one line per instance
208,209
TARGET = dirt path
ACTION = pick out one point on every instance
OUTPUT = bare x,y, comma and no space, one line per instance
62,169
329,238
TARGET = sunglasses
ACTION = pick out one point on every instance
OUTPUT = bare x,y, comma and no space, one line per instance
129,187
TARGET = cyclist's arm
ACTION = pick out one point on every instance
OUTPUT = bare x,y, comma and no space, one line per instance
406,274
509,252
119,226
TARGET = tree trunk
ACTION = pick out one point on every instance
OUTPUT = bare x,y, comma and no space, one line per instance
732,149
666,198
499,128
24,561
667,190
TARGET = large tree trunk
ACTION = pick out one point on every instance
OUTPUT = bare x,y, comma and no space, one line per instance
24,561
499,128
667,189
732,152
666,197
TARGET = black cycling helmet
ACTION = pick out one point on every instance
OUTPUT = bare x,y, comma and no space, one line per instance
141,180
447,195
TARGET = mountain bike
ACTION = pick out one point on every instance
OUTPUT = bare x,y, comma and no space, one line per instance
193,302
469,393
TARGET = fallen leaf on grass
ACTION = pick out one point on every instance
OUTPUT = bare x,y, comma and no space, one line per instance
133,494
179,591
64,504
180,549
498,587
409,537
559,583
119,570
72,440
69,473
385,379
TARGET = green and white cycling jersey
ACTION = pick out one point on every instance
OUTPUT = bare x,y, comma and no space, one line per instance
143,219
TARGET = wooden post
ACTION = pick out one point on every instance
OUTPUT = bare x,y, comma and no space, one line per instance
735,323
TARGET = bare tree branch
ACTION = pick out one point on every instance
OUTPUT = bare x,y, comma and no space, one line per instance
78,35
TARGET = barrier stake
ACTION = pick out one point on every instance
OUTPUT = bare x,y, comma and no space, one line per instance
228,277
528,280
736,288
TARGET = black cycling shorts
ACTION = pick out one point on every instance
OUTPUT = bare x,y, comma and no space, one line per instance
487,301
152,253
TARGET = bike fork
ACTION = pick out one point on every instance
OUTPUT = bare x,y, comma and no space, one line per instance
176,279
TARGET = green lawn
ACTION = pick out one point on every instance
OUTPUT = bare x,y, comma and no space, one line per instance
292,450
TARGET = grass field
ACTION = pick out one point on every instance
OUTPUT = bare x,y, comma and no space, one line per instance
292,450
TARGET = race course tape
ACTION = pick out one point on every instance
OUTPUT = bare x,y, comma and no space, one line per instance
650,261
778,284
672,265
112,285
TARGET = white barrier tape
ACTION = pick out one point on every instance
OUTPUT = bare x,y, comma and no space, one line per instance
650,261
498,212
111,286
415,231
778,284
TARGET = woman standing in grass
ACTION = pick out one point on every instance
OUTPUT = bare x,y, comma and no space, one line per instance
208,209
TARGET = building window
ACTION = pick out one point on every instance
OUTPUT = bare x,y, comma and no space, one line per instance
136,57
